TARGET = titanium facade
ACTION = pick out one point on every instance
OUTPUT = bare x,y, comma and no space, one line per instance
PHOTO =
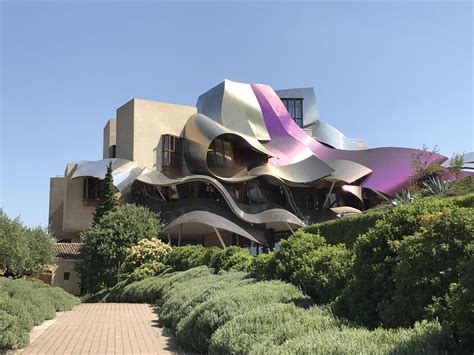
246,166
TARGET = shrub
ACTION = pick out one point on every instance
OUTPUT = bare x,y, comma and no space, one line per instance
186,295
264,266
195,330
346,230
151,289
460,187
460,307
427,263
269,326
144,259
187,257
424,338
106,243
375,258
24,304
320,270
233,257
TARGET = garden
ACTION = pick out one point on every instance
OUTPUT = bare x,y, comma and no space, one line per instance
395,279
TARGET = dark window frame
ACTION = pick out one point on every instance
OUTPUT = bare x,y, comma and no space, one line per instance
220,154
66,276
292,105
91,193
171,147
113,151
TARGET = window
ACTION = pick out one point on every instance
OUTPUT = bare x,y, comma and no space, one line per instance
91,189
220,154
295,109
66,276
113,151
171,151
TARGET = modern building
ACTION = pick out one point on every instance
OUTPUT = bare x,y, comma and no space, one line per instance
245,166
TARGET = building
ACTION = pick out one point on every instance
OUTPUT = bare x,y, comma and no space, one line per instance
245,166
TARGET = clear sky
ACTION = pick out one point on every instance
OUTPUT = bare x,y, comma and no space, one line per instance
390,73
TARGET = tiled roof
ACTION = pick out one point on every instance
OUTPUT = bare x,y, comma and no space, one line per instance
68,251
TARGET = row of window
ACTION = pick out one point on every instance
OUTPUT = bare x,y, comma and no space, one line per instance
220,154
295,109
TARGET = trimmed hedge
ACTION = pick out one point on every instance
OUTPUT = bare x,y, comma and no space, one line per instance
24,304
195,330
189,256
229,313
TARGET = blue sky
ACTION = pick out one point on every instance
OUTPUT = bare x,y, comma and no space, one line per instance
390,73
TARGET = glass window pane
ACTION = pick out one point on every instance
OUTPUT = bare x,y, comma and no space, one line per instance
299,122
228,154
166,158
291,108
166,142
298,109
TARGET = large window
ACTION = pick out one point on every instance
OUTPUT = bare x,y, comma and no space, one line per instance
220,154
113,151
91,191
295,109
171,151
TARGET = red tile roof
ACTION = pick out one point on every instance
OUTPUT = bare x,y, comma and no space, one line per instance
68,251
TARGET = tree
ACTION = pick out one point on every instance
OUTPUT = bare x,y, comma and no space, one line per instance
107,199
23,251
106,243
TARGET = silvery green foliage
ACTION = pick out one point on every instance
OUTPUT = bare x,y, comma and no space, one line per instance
403,197
434,185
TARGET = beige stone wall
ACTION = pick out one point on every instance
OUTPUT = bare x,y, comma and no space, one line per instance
73,284
110,139
56,198
140,125
76,215
124,131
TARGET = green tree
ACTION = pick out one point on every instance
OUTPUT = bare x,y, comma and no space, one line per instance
107,198
106,243
23,251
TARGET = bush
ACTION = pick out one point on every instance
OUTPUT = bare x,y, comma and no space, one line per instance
264,266
376,255
144,259
268,326
346,230
195,330
427,263
186,295
320,270
24,304
233,257
425,338
460,187
106,243
460,307
152,289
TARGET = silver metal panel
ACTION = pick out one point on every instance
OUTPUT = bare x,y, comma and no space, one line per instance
327,134
234,106
347,171
208,219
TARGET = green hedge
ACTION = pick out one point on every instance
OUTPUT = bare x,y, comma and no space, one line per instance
412,248
230,313
24,304
189,256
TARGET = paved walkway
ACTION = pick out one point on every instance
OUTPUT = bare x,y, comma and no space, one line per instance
104,328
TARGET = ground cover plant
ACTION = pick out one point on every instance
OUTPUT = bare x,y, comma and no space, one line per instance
24,304
229,313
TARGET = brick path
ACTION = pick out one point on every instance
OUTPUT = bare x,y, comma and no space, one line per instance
104,328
